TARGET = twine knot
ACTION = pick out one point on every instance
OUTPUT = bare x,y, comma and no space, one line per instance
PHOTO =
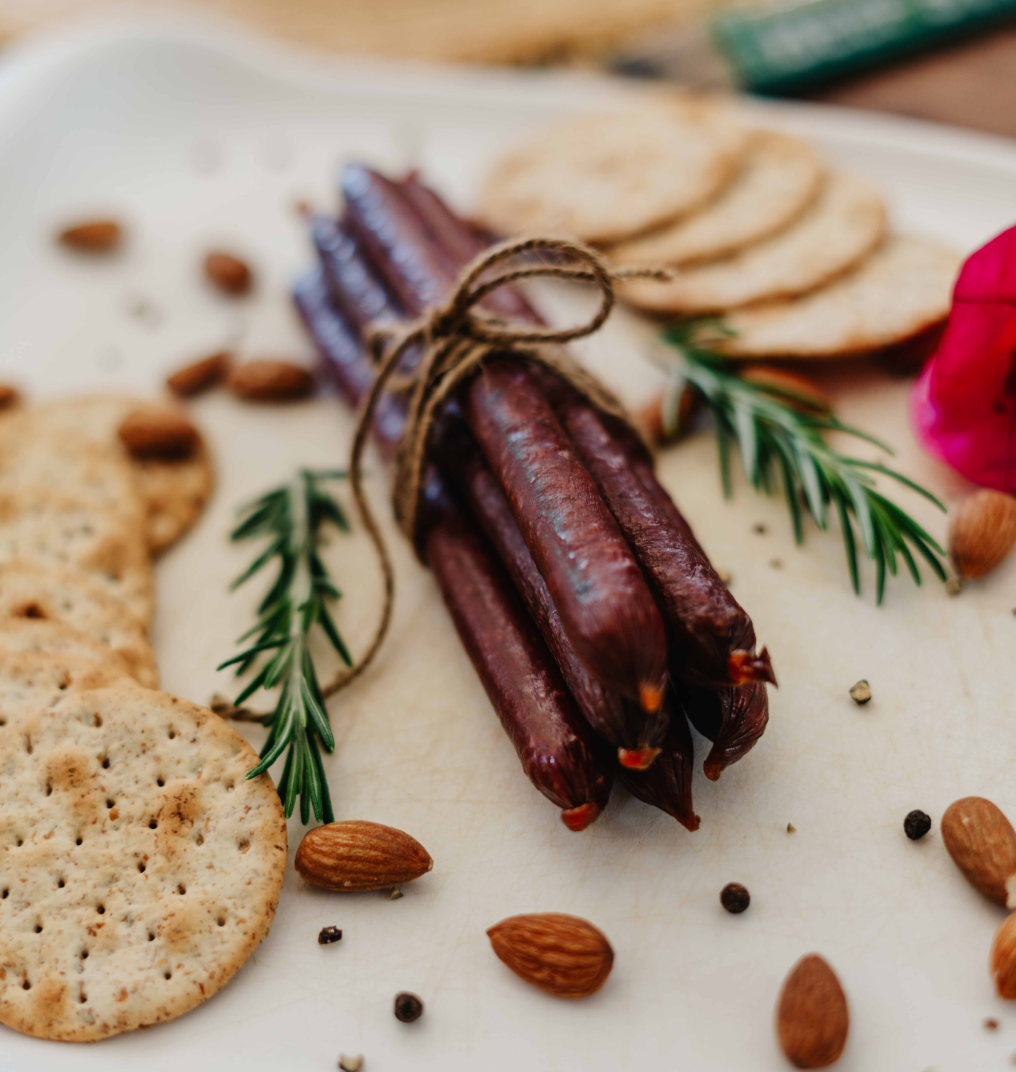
430,356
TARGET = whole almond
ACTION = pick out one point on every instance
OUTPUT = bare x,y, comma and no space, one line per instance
983,532
356,855
158,432
563,955
1003,958
796,390
982,843
270,381
230,274
92,236
198,376
812,1019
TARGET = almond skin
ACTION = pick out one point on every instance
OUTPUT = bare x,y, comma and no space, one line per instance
92,236
1003,959
812,1019
650,417
270,381
158,432
983,532
356,855
230,274
791,387
564,955
200,375
982,843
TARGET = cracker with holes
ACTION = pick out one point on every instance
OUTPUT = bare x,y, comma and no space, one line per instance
604,177
174,490
38,637
845,223
780,177
69,531
67,462
31,592
32,681
902,290
139,869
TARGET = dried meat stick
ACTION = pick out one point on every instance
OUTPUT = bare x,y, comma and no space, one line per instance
712,638
704,621
558,750
667,783
604,603
619,721
555,745
732,718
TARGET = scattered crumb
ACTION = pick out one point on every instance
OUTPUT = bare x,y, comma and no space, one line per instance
351,1064
726,577
860,692
329,935
396,894
142,309
953,586
991,1024
916,824
791,829
759,529
776,563
303,207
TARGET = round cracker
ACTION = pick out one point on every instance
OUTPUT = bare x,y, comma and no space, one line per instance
174,491
34,636
779,178
131,835
844,225
31,682
36,593
51,529
903,289
31,453
607,176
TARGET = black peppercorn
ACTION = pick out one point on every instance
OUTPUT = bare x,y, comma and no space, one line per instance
329,935
734,897
916,825
408,1007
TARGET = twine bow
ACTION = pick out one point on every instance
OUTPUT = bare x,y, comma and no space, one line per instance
454,337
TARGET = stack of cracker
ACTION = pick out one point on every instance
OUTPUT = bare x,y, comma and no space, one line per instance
798,260
138,867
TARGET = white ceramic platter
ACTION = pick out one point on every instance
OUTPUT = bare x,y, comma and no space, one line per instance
198,137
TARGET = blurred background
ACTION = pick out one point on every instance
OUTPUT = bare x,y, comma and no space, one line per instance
947,60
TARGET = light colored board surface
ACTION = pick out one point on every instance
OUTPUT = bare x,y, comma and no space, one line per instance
117,122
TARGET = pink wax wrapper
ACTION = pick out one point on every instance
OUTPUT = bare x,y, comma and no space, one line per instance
963,407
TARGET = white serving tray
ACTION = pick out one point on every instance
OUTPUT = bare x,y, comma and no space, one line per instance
200,136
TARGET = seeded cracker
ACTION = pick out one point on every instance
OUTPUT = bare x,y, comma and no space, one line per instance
779,179
843,226
148,868
605,177
38,593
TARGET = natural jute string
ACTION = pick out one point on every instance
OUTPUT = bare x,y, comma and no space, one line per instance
455,337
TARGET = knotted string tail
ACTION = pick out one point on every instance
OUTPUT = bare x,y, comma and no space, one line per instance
455,339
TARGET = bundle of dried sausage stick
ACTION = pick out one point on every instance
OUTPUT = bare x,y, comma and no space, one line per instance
593,617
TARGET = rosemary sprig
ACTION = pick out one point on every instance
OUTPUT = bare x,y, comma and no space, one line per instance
780,437
292,518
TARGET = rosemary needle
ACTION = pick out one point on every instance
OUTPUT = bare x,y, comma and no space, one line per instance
781,441
291,518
